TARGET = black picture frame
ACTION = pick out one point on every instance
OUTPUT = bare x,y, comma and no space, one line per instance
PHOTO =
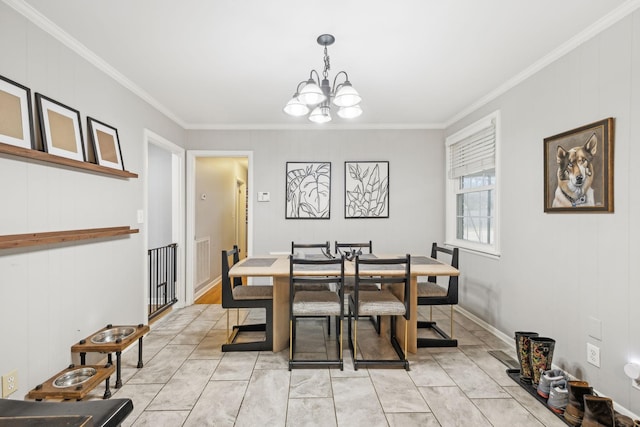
366,189
16,111
60,129
106,144
308,190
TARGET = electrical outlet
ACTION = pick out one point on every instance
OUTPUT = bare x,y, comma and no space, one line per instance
593,355
9,383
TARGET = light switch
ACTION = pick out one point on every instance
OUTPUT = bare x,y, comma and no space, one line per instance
140,216
264,196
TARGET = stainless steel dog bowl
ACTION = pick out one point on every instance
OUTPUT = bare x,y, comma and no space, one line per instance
75,377
112,335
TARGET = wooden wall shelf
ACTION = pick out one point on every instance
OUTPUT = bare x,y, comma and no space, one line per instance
36,239
51,158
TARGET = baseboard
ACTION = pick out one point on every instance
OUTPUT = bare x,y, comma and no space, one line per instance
206,288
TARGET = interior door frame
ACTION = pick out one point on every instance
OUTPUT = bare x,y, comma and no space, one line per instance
192,155
177,209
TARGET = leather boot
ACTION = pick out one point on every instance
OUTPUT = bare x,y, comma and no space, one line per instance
624,421
574,412
523,349
598,412
541,357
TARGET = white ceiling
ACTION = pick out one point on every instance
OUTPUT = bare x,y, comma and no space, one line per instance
235,63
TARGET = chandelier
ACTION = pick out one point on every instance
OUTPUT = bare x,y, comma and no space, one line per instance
316,96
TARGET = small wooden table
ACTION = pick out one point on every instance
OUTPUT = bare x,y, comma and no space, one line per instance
87,345
278,269
48,390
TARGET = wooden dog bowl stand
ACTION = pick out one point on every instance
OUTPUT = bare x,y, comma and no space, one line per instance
85,346
78,392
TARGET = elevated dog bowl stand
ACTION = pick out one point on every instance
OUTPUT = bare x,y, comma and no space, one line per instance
88,345
47,390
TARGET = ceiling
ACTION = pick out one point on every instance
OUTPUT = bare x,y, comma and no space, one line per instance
211,64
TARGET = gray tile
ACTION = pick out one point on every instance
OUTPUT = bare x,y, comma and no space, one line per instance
161,419
469,377
540,411
506,413
163,365
140,394
310,383
185,387
426,372
218,405
489,364
356,403
396,391
311,412
452,408
265,402
412,419
235,366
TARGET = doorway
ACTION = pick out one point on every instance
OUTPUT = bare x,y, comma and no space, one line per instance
218,213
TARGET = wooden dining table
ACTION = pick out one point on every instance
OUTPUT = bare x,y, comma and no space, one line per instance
277,267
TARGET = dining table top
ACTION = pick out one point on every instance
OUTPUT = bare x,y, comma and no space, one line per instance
278,266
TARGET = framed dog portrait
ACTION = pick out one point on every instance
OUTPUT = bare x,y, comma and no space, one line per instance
578,169
106,144
366,189
308,189
16,119
60,129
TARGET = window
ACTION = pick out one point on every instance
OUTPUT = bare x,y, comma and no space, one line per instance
472,186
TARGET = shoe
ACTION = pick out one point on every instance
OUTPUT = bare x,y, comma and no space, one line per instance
574,412
523,350
558,396
547,378
598,412
541,356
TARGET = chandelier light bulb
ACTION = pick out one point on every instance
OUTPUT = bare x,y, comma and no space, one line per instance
347,96
320,114
311,94
296,108
350,112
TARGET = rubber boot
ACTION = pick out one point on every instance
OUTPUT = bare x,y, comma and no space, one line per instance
598,412
541,357
523,349
574,413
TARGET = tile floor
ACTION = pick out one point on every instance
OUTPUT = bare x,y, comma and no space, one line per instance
188,381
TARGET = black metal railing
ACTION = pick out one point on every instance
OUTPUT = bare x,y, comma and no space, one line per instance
162,279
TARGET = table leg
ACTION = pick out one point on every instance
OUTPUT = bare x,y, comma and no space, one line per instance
83,358
107,390
280,313
412,332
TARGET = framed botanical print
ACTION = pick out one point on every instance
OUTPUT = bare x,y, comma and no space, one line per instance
308,189
366,189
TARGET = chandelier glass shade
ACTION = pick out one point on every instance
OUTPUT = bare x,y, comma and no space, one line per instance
315,96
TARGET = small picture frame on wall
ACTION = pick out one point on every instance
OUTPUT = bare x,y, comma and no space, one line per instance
16,117
308,190
578,169
106,144
60,129
366,189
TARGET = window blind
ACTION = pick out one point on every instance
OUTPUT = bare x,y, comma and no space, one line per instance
475,153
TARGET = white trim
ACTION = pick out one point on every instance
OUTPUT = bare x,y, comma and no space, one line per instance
192,155
596,28
177,213
503,337
312,126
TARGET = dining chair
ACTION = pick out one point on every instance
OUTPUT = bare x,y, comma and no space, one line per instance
314,251
235,295
431,293
384,302
318,303
350,250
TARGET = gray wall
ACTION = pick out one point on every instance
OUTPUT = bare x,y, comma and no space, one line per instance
416,163
52,296
559,270
159,221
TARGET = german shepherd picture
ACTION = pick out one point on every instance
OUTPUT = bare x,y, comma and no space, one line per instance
575,175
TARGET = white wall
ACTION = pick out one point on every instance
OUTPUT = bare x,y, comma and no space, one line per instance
415,158
159,220
53,296
559,270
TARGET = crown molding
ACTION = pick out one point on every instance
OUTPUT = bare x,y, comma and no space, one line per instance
596,28
66,39
312,126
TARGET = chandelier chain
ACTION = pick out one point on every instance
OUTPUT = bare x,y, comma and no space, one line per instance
327,66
